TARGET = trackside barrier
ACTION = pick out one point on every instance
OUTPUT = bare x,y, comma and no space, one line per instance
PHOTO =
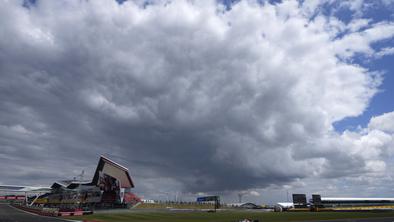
37,211
364,208
53,212
74,213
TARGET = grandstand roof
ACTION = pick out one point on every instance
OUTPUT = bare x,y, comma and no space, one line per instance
70,184
115,170
15,188
106,166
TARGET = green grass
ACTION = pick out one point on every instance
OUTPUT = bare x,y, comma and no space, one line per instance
228,216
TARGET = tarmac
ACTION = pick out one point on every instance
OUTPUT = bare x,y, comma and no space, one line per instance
11,214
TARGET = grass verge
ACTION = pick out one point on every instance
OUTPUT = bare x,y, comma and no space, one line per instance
228,216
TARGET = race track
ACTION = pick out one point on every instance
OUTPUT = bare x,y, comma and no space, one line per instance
10,214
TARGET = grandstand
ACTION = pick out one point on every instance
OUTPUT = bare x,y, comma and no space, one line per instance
110,188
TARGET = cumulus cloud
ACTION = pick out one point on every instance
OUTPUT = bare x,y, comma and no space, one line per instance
383,122
187,94
385,51
360,42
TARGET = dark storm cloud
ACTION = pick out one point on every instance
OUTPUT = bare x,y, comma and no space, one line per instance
183,92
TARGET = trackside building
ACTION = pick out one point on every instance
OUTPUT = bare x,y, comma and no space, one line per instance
110,188
319,203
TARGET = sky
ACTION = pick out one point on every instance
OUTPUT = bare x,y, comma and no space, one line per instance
261,98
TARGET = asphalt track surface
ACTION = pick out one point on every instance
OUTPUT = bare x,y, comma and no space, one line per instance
10,214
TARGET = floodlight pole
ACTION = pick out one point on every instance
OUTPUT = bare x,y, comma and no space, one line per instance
240,195
287,194
217,202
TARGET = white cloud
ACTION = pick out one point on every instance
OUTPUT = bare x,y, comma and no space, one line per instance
357,24
383,122
360,42
254,193
179,88
385,51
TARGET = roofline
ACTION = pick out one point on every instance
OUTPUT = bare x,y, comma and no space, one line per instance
23,187
7,185
105,159
121,167
242,203
114,163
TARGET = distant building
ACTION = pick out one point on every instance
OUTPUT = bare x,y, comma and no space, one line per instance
148,201
245,205
283,206
335,202
318,203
